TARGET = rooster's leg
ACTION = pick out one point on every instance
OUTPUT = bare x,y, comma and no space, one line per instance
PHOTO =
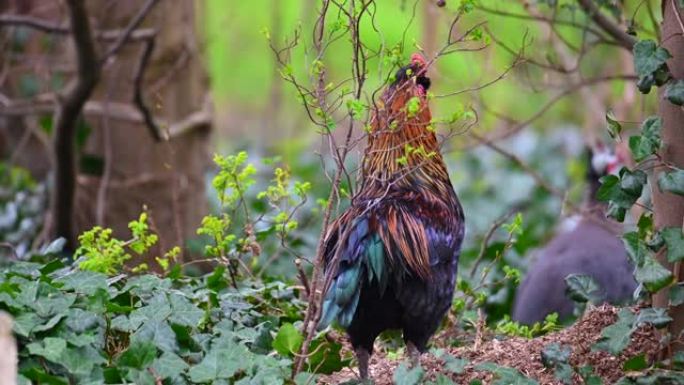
363,356
413,353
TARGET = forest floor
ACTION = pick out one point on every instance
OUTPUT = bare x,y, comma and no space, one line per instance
525,354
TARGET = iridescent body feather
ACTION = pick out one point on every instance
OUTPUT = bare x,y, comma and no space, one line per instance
391,257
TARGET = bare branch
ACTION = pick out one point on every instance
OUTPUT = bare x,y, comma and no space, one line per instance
66,116
626,40
138,99
46,26
33,22
126,33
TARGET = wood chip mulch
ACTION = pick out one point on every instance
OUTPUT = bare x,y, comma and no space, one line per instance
525,354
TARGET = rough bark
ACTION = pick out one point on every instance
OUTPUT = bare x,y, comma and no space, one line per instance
66,117
167,176
669,208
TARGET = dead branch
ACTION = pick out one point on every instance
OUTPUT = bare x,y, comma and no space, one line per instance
138,99
66,116
124,36
9,20
626,40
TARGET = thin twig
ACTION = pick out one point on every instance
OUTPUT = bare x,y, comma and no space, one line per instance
126,33
138,99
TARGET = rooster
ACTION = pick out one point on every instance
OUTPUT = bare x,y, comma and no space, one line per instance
391,257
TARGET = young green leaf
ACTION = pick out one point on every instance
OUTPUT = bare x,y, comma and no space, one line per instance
648,143
287,340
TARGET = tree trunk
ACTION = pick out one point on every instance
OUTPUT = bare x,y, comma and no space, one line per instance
669,208
137,171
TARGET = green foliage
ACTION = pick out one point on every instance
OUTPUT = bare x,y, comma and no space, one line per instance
621,191
613,126
288,340
672,181
650,65
557,357
675,92
583,288
408,376
648,143
22,205
616,337
82,326
100,252
674,239
234,177
511,328
653,377
504,375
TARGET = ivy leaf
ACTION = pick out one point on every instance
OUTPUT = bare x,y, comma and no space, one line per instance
648,143
632,182
676,295
159,332
406,376
614,127
674,239
656,316
157,310
621,191
653,275
650,64
83,282
288,340
138,355
50,348
442,380
80,361
169,365
615,338
675,92
556,356
506,376
672,182
582,288
183,312
453,364
636,248
222,362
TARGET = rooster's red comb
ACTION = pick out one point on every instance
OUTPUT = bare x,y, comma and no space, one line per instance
417,58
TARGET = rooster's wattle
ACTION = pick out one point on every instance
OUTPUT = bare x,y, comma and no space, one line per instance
391,257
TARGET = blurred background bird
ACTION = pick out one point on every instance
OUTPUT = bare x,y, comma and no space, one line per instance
586,244
391,257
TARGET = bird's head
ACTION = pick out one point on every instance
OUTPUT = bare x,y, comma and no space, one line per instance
414,72
604,160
